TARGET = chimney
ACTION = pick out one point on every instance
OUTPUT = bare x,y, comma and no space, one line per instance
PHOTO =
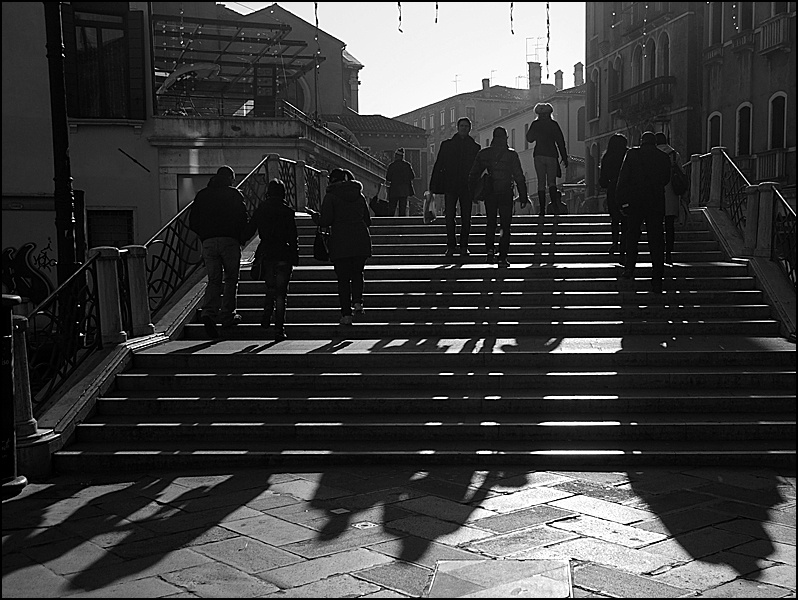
557,80
485,84
534,81
579,79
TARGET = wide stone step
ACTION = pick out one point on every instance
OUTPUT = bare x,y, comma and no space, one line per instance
513,378
488,285
506,298
503,311
518,270
527,244
625,427
149,457
443,401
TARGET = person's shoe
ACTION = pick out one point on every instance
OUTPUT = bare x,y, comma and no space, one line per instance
491,256
210,327
627,274
503,262
279,334
266,321
345,320
358,308
232,322
464,251
449,252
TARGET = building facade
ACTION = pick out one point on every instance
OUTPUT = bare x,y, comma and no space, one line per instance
748,100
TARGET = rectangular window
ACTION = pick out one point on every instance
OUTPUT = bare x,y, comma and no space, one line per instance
432,121
101,66
432,149
443,113
451,115
415,123
423,122
512,138
471,113
109,228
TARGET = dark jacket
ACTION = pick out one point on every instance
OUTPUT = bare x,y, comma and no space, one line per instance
455,158
345,210
644,174
547,136
609,170
505,168
276,225
219,211
400,175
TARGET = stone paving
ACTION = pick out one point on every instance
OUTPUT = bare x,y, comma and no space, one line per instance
396,532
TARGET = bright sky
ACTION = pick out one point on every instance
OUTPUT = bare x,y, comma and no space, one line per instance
471,41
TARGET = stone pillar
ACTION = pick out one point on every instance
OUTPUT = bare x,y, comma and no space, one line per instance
716,183
272,167
301,186
765,221
751,219
695,179
108,295
25,424
136,258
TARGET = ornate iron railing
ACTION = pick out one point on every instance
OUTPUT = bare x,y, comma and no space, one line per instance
314,189
733,195
123,282
782,244
705,179
287,172
63,332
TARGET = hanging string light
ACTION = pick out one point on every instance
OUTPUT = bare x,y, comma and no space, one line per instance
316,61
399,4
548,39
511,17
436,12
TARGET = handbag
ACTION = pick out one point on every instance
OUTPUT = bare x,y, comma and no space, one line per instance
380,206
320,248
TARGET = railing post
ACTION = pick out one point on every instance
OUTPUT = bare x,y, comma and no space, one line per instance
301,186
716,183
136,258
765,224
11,483
272,167
751,219
25,424
108,295
695,179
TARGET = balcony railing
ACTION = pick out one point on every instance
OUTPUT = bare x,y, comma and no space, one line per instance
713,54
743,41
775,35
771,165
652,95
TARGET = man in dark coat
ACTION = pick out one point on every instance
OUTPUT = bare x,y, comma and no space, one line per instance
400,176
450,178
504,166
645,172
219,217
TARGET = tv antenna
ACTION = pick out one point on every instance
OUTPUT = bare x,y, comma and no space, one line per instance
492,71
537,48
455,82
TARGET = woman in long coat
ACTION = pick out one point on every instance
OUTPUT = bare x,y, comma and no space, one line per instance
345,211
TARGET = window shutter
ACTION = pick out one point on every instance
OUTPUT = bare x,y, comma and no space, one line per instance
135,36
70,59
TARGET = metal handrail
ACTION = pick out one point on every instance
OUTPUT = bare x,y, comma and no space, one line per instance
782,241
65,331
733,194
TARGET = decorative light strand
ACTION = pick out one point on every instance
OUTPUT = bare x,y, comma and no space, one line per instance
436,12
399,4
548,39
511,18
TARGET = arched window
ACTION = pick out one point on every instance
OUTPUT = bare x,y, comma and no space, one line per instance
637,66
616,76
744,129
580,124
777,135
713,130
664,60
650,59
594,96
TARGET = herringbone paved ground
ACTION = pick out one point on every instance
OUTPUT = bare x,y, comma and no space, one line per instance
380,532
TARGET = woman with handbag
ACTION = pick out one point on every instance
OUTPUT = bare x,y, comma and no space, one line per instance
345,211
277,253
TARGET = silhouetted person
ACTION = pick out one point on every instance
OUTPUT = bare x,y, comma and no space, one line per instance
400,176
547,136
645,172
275,222
345,211
505,168
450,178
608,178
219,217
672,199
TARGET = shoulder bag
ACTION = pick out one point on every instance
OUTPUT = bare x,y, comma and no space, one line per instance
320,248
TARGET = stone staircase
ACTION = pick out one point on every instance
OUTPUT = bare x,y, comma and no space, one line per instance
553,362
